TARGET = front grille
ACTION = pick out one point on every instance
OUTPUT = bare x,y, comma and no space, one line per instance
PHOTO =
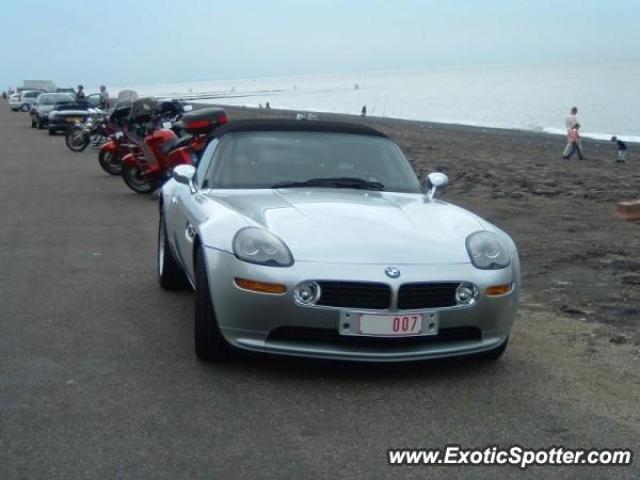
427,295
376,296
331,337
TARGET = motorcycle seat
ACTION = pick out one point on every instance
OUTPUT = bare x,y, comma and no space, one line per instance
176,143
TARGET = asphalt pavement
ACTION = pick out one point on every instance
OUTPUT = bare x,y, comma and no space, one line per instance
98,378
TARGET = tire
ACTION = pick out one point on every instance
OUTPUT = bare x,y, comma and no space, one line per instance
25,107
137,181
76,139
40,126
170,274
110,162
496,353
33,123
52,131
210,345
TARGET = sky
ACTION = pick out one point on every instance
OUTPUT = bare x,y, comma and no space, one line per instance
157,41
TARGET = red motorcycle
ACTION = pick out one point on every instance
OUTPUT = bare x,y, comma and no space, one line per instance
160,148
112,153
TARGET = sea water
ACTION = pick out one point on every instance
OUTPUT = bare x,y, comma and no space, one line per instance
527,97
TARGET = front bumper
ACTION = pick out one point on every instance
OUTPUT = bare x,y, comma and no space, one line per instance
42,119
251,321
62,123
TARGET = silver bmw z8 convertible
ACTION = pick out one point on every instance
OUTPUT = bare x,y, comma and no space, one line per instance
317,239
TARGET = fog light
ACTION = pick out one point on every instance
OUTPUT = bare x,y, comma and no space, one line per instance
466,293
307,293
498,290
260,287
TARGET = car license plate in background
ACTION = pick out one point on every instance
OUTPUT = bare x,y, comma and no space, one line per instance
74,120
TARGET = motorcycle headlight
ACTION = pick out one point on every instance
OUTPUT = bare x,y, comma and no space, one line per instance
256,245
486,251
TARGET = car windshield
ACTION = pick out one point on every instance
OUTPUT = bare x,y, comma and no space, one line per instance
310,159
53,98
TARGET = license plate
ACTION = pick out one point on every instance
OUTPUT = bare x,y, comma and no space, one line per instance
74,119
406,325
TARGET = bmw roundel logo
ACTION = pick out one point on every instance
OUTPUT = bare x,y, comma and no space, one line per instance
392,272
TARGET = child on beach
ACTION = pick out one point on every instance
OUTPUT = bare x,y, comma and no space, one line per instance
622,149
574,143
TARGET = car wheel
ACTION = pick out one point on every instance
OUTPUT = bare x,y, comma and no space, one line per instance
25,107
33,124
40,125
210,345
170,274
496,353
52,131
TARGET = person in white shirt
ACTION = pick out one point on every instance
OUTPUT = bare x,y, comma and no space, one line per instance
571,119
570,122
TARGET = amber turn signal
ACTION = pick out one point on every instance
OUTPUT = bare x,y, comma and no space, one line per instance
261,287
496,290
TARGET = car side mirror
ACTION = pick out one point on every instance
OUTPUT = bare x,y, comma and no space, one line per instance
435,181
184,174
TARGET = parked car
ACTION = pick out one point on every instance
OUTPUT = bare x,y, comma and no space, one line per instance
23,100
66,114
317,239
45,102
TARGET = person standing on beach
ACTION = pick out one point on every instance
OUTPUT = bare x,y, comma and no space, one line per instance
570,122
574,139
622,149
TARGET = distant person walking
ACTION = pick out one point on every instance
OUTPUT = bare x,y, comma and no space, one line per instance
80,95
104,98
363,112
570,122
622,150
574,143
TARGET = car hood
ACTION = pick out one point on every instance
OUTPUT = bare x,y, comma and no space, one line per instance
355,226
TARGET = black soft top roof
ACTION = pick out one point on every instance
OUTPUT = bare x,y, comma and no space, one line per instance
277,125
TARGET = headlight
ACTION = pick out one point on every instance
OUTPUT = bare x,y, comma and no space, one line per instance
256,245
486,251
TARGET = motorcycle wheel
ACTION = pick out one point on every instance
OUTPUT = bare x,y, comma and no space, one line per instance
110,162
137,181
76,139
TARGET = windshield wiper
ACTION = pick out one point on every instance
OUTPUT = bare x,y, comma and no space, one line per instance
334,182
